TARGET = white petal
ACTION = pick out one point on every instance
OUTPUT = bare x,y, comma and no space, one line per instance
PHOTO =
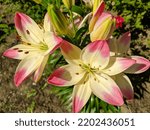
20,51
106,89
26,67
28,29
52,41
47,23
96,54
39,71
70,52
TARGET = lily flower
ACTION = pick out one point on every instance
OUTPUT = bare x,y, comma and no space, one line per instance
90,71
103,23
37,44
119,48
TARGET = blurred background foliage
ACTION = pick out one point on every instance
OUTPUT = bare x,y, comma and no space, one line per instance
137,18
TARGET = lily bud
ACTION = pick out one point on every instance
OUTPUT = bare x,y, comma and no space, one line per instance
68,3
102,23
103,27
59,21
96,4
37,1
96,16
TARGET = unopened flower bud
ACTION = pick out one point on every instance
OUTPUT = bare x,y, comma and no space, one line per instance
59,21
68,3
103,28
96,4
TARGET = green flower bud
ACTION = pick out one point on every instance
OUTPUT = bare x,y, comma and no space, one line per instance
68,3
59,21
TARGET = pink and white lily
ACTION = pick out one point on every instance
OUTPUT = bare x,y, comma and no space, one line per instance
37,44
90,71
119,48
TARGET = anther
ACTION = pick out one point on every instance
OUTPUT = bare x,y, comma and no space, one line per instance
77,73
20,50
28,44
28,32
26,52
15,48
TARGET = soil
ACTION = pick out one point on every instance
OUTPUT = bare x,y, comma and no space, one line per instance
31,98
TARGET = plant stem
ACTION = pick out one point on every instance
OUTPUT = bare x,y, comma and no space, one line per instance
60,58
72,20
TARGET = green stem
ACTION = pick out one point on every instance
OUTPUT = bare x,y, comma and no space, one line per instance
60,58
81,2
72,20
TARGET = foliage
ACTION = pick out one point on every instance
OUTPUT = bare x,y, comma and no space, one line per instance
12,6
135,13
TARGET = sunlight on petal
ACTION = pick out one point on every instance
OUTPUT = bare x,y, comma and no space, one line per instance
96,54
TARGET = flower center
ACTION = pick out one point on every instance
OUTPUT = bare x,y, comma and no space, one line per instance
88,68
90,71
43,47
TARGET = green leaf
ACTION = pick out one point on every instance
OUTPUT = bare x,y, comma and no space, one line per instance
77,9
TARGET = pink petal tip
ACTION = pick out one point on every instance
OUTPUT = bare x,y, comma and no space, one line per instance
19,77
77,104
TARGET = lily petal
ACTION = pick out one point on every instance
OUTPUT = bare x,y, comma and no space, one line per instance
52,41
70,52
81,94
125,86
39,71
26,67
20,51
96,54
117,65
28,29
113,46
67,75
124,42
106,89
47,23
140,66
